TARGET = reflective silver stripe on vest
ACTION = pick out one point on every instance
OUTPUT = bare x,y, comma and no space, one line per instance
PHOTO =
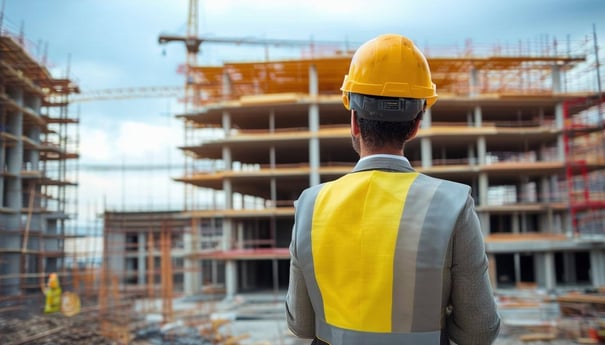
405,277
427,221
424,233
303,221
338,336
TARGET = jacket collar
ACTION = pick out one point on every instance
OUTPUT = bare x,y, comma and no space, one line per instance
383,163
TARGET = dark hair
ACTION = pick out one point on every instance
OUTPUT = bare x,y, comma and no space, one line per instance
379,134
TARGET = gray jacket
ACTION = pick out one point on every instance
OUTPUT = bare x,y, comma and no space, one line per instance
467,313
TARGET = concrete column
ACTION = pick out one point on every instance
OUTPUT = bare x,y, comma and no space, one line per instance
549,221
483,187
241,236
214,265
272,121
192,275
523,222
545,194
481,150
556,78
474,82
35,133
597,267
275,276
539,266
560,123
142,259
559,116
245,278
427,121
313,81
517,263
515,223
555,193
34,155
569,268
314,158
227,158
10,265
549,270
230,265
273,186
426,152
273,192
14,191
226,87
472,160
226,124
230,279
545,270
229,232
478,116
116,263
272,157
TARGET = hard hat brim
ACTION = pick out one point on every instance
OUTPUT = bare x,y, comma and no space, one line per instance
388,109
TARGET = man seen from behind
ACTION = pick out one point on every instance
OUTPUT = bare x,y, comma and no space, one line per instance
386,255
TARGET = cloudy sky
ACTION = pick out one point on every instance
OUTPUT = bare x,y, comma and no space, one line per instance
111,44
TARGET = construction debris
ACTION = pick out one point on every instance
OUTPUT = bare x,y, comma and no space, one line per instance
53,329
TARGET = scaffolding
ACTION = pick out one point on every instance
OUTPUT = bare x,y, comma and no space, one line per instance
584,140
38,177
503,125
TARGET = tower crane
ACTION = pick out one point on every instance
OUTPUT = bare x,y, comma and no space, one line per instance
193,44
128,93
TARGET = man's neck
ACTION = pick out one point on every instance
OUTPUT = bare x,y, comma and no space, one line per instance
365,153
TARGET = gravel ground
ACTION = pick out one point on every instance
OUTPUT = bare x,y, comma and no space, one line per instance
53,329
83,331
254,321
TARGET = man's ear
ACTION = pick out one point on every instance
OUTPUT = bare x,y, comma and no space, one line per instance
416,125
354,124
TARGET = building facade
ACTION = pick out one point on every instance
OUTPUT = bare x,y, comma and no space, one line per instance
512,125
519,127
38,162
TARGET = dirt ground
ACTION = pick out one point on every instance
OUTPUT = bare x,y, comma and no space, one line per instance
253,320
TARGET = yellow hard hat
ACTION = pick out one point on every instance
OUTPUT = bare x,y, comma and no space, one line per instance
53,280
390,66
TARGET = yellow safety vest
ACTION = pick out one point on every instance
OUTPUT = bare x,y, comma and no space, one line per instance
372,247
53,300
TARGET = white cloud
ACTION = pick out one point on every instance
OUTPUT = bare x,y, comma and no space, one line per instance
143,141
95,145
131,141
127,190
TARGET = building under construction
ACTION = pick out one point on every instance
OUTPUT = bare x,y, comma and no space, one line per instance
38,176
522,125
